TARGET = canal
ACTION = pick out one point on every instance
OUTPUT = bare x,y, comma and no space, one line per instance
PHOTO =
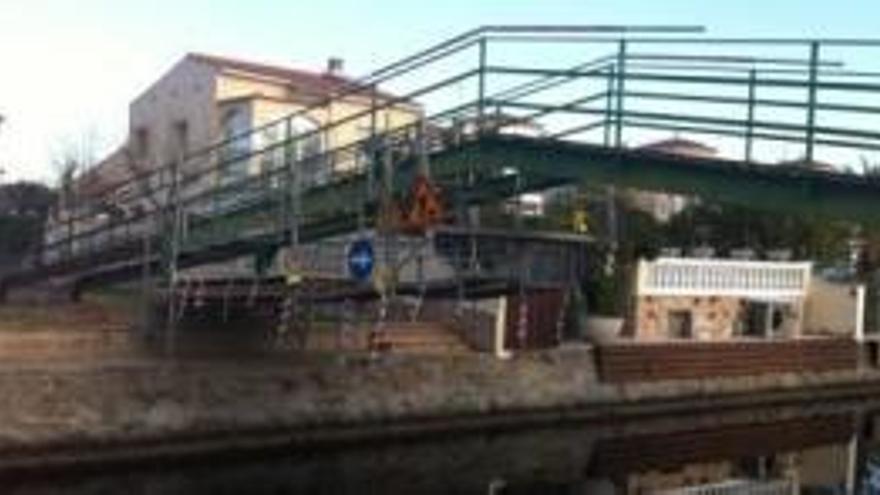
808,449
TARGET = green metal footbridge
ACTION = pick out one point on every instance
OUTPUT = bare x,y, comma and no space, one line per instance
508,110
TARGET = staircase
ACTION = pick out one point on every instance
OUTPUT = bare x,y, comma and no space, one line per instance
402,337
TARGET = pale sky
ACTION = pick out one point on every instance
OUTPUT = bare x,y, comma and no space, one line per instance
70,68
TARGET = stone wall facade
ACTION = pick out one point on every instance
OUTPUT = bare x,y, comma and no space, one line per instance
712,317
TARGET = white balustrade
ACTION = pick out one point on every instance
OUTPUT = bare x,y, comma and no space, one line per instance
736,278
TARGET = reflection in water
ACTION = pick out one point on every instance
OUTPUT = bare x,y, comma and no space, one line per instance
826,451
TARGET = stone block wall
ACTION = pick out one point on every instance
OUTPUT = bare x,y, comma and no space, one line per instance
713,318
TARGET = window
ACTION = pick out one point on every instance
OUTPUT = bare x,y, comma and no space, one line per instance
271,154
680,324
235,131
237,147
308,147
762,320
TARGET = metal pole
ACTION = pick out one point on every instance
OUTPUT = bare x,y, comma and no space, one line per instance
287,200
481,90
422,146
621,78
750,119
611,190
146,283
812,95
287,185
613,226
609,107
373,146
386,224
474,211
174,199
296,170
388,159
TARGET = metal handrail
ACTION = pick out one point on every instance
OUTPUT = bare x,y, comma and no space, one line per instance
481,34
451,46
725,70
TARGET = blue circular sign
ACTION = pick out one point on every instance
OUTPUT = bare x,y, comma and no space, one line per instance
361,259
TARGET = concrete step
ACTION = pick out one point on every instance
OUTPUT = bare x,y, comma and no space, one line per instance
421,337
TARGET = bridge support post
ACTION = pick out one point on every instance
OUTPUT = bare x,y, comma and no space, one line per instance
609,107
373,157
750,118
175,217
147,300
481,88
287,183
422,150
619,93
293,180
812,100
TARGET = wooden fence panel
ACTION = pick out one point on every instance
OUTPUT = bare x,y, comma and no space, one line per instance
644,362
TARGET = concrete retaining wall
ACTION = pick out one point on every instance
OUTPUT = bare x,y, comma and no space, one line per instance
101,405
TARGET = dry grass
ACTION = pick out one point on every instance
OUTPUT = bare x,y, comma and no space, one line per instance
95,311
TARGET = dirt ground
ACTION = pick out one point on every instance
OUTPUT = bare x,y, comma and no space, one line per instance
105,329
99,327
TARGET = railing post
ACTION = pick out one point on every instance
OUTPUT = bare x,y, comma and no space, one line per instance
750,119
373,148
609,107
621,78
146,281
812,96
474,211
422,147
296,175
481,89
287,199
172,255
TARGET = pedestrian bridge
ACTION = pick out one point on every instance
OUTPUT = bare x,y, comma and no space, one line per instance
506,111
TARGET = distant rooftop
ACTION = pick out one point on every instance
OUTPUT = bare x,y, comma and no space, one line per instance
810,164
680,146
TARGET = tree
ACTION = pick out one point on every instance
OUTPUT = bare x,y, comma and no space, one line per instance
24,207
71,160
870,169
629,235
727,227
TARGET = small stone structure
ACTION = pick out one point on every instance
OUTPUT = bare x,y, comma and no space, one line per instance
712,300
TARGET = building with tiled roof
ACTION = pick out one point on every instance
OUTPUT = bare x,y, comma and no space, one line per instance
207,99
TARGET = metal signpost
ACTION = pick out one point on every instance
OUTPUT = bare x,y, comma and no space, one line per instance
361,259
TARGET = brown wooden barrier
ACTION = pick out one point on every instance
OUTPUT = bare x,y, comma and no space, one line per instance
543,310
669,451
644,362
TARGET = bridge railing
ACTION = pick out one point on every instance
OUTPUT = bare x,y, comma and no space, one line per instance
766,93
754,100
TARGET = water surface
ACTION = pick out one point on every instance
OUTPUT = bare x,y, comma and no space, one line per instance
809,449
